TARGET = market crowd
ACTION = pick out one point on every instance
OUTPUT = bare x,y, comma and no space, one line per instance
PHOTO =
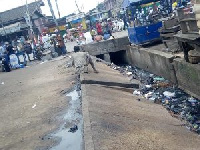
16,53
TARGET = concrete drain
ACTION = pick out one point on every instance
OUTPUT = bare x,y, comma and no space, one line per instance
71,133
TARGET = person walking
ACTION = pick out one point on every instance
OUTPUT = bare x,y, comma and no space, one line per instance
9,48
28,49
61,44
125,22
6,62
99,28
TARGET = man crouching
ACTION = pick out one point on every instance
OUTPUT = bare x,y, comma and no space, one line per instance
81,60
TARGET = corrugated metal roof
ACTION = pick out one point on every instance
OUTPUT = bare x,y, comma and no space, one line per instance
19,12
127,3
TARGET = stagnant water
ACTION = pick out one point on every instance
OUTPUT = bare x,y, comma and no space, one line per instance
69,140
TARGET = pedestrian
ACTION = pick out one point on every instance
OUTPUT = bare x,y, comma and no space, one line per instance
6,57
61,44
125,22
2,51
109,27
6,62
81,60
93,33
99,28
9,48
28,49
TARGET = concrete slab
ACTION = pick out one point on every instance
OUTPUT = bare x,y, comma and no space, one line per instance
154,61
188,76
105,47
115,120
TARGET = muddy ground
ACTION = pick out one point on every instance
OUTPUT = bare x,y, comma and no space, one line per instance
32,100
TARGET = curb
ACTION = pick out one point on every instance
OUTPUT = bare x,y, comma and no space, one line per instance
87,131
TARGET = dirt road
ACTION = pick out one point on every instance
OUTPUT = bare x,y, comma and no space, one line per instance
31,100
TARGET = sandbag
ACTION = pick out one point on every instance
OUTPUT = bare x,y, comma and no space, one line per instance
98,38
106,36
14,62
88,37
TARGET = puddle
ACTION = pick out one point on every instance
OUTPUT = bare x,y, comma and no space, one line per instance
69,140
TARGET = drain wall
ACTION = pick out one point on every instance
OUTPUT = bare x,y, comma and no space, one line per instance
153,61
185,75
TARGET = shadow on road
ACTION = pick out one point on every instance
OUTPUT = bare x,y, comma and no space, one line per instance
125,85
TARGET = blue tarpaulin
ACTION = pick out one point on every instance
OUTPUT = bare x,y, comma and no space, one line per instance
77,21
127,3
143,34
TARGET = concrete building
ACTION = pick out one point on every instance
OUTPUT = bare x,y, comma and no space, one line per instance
114,6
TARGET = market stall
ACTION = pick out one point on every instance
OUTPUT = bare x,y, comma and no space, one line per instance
145,23
189,37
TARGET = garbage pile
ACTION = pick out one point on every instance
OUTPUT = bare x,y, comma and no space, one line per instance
161,91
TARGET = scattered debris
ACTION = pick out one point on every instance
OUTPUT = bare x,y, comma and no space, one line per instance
148,86
129,73
169,94
43,62
136,92
73,129
158,79
34,106
161,91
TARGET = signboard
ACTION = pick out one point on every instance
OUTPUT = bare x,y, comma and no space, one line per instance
75,17
52,30
10,28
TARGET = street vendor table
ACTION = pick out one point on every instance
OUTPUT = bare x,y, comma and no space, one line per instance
188,42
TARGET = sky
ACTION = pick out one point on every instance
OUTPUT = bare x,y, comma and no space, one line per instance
66,6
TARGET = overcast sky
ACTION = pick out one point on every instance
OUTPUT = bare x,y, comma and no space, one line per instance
66,6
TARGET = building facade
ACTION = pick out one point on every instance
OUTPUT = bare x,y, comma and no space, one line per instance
17,21
114,6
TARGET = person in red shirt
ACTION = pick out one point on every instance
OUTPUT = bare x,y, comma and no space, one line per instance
99,28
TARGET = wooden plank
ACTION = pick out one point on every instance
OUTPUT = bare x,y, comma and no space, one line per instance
167,35
193,26
190,37
198,23
170,23
196,8
184,27
189,27
188,19
197,16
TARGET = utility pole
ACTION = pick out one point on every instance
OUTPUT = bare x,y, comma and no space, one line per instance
53,15
28,20
56,1
77,7
54,18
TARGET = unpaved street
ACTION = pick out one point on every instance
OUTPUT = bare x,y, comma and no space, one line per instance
31,100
